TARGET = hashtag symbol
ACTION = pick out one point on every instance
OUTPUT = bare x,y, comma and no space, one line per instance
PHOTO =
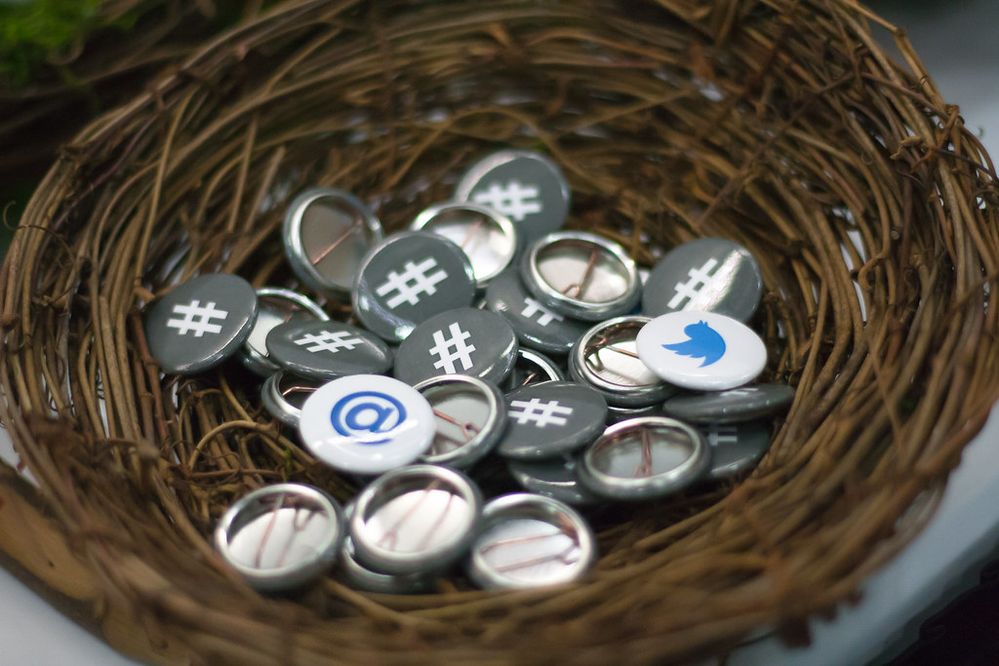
684,292
532,307
197,318
541,413
414,280
328,341
442,349
515,200
722,434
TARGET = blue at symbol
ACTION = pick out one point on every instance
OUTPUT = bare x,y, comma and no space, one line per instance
365,414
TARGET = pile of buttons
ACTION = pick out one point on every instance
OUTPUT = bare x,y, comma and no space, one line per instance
482,338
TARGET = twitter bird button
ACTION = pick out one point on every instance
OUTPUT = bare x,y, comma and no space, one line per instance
704,351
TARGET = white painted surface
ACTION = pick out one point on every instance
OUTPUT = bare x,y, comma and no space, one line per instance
956,42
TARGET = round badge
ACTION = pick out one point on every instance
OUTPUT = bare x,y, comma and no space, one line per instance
326,233
487,237
747,403
523,185
554,478
327,350
736,448
707,274
644,458
366,424
464,341
606,359
701,350
275,306
415,519
360,577
530,541
581,275
201,323
537,326
471,417
282,536
408,278
551,419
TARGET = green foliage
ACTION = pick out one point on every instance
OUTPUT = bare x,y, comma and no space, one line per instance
31,31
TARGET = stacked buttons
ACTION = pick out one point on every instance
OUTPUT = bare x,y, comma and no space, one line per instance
484,348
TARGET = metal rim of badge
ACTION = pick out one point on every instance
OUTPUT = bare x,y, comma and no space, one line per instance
432,216
548,369
517,201
360,577
703,351
487,433
298,256
248,510
201,323
623,395
452,540
650,485
398,278
253,357
552,419
555,478
616,413
325,350
513,513
577,307
274,396
366,424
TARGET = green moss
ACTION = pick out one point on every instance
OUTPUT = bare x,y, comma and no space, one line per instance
32,31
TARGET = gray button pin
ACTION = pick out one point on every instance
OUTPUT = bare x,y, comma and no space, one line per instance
735,447
275,306
530,368
407,279
551,419
326,233
554,478
201,323
709,274
327,350
526,186
465,341
733,406
537,326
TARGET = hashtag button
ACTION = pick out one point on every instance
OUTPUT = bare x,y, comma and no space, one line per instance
466,341
551,419
409,278
200,323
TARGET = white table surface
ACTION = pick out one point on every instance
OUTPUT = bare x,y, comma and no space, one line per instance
956,41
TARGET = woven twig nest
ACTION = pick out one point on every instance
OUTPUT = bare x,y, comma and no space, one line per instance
782,125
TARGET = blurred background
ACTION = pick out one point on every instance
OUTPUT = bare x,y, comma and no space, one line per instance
63,62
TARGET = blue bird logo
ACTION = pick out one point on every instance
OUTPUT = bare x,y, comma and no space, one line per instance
702,342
